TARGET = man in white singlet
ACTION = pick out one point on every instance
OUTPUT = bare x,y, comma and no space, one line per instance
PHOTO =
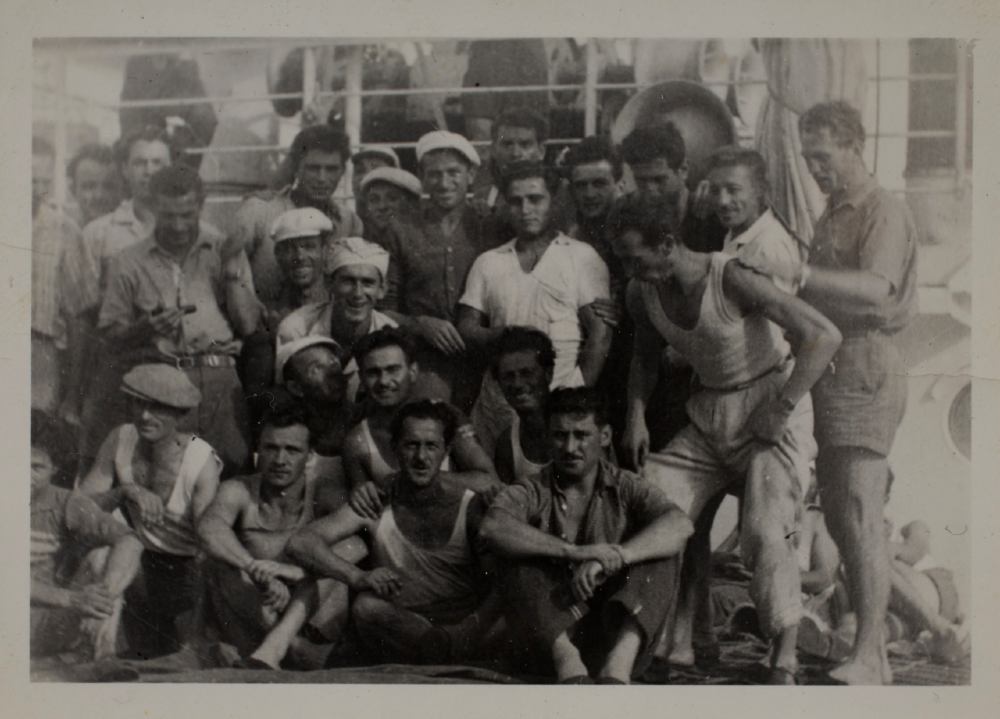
165,478
424,600
750,415
263,603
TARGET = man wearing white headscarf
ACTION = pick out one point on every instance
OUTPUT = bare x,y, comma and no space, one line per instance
357,270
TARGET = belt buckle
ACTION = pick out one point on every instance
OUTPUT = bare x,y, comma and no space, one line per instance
184,362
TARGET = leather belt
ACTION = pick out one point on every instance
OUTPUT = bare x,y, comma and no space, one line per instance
206,360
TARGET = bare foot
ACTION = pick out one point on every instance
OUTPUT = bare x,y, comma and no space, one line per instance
682,656
857,673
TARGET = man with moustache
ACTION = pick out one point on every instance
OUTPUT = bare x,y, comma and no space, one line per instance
541,279
185,297
162,478
357,285
317,158
431,257
593,553
265,604
423,601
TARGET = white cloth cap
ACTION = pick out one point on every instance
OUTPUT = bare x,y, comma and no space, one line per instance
300,222
357,251
443,140
288,350
402,179
387,152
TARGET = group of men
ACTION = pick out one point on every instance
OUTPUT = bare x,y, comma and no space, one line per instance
456,425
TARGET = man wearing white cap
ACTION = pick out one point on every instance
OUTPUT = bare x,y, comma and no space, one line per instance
318,158
389,194
357,271
162,478
366,159
431,258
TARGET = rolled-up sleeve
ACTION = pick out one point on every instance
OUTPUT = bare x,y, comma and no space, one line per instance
644,502
886,242
475,286
519,501
593,278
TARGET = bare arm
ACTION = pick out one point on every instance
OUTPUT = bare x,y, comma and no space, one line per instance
596,345
355,459
644,371
513,538
312,546
846,292
503,458
242,306
664,537
205,487
813,337
215,528
472,326
471,459
101,477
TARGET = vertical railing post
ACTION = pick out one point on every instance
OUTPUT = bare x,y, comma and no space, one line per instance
590,90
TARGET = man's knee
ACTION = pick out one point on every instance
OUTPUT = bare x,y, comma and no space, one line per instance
368,610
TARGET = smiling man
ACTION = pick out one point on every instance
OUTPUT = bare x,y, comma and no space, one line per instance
186,297
592,551
423,602
318,158
391,195
357,270
541,279
94,182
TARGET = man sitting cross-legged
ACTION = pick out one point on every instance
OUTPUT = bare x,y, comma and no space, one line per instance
594,552
423,601
264,604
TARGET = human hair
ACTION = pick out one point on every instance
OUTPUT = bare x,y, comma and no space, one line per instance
577,401
523,339
318,137
149,133
93,151
651,142
654,218
284,410
425,409
176,181
736,156
386,337
50,435
594,149
41,146
522,117
527,170
839,117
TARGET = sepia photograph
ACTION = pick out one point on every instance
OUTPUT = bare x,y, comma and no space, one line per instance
489,360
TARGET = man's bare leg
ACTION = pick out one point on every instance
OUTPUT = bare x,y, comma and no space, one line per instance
907,600
783,650
852,482
120,568
566,658
621,659
275,645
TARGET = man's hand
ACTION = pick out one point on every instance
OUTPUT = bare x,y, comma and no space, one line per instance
608,311
768,422
367,501
609,556
150,506
382,581
162,321
277,595
635,442
586,579
93,601
441,334
264,571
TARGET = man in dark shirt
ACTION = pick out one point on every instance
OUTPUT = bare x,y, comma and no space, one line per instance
594,552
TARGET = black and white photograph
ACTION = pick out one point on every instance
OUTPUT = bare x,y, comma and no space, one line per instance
500,360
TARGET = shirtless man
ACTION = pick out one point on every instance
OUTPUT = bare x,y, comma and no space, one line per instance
391,378
594,552
522,366
261,599
422,603
751,417
165,478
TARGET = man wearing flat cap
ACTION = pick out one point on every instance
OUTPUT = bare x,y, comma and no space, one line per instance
431,257
162,478
357,270
389,194
317,158
186,297
364,161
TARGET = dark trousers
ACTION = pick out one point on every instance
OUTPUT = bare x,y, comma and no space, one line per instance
170,587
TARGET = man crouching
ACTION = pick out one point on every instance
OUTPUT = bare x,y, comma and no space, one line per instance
595,552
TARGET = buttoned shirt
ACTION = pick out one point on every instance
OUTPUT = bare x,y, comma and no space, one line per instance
252,226
317,319
427,269
768,246
145,278
622,505
50,232
872,230
61,518
84,271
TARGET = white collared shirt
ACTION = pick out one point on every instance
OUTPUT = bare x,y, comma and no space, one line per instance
767,244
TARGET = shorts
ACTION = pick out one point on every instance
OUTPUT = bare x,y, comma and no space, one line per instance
861,399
